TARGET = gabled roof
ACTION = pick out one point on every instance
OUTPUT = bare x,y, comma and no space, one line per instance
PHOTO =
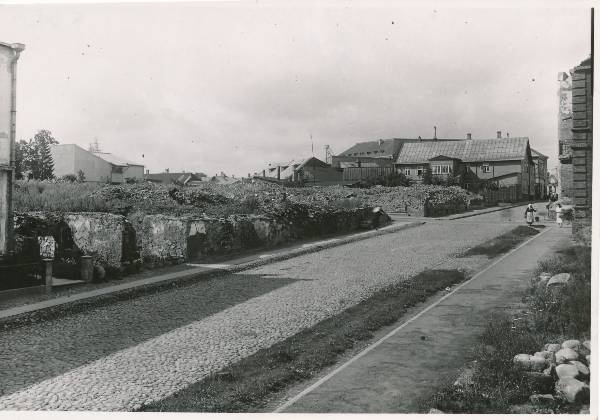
383,148
442,157
115,160
535,153
479,150
287,168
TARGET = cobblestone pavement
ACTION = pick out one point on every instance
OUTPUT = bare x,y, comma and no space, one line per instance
119,356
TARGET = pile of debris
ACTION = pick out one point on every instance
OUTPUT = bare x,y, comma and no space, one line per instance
559,372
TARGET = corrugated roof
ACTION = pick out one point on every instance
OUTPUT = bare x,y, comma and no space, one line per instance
115,160
477,150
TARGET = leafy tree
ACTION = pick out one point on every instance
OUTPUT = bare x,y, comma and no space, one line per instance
35,156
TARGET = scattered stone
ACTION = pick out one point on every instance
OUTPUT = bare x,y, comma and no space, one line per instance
566,371
571,344
548,355
552,347
523,409
528,362
583,370
542,399
465,379
573,390
587,345
585,409
436,411
539,382
565,355
587,359
558,280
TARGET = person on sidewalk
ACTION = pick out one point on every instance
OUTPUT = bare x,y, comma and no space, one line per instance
529,214
558,211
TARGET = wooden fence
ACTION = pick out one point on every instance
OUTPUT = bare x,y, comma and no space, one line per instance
364,174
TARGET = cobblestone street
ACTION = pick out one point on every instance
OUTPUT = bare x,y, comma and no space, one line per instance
122,355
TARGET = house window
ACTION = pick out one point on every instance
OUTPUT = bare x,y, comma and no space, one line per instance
406,171
486,168
440,169
419,170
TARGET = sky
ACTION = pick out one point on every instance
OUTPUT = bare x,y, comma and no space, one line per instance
234,86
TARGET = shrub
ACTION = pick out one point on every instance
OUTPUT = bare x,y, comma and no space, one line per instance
68,178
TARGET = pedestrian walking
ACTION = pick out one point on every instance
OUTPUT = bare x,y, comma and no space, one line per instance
558,212
529,214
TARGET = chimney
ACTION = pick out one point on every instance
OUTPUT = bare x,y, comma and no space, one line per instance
507,135
278,172
264,173
499,134
167,170
380,142
434,132
468,136
147,171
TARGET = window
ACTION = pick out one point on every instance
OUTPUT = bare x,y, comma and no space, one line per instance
419,170
485,168
440,169
406,171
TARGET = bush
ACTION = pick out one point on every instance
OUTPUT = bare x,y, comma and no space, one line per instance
68,178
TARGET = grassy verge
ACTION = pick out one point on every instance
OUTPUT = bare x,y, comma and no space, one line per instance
249,384
503,243
495,387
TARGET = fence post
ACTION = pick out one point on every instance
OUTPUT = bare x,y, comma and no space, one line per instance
48,273
87,268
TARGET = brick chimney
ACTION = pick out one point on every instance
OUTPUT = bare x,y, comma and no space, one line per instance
499,134
468,136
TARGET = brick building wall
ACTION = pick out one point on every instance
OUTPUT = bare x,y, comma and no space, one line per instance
581,148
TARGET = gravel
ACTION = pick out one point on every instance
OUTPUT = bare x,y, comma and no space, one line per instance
125,354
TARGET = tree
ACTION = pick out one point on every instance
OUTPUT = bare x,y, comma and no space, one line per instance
21,149
37,157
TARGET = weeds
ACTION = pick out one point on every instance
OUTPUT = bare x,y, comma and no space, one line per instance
502,243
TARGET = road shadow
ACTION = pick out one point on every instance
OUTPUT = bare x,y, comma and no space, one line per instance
41,350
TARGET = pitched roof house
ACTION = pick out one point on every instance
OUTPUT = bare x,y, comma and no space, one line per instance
308,170
506,161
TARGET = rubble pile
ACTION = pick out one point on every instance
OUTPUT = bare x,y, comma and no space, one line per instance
560,373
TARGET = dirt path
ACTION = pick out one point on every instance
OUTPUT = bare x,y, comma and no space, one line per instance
395,373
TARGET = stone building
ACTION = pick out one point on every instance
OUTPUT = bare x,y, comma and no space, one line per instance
581,146
565,136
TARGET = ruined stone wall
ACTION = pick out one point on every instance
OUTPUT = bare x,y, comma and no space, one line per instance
171,239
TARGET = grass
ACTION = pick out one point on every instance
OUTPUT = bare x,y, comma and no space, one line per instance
496,386
249,384
503,243
57,196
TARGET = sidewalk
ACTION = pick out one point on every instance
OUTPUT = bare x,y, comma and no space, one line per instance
17,306
405,366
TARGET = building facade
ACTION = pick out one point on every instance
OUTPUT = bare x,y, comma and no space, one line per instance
565,135
540,170
69,159
581,147
310,171
506,162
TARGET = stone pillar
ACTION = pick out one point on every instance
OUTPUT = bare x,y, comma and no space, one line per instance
9,54
48,273
87,268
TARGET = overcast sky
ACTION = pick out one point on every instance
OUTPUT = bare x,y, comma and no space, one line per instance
233,86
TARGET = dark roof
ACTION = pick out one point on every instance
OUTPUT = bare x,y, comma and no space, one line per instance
383,148
442,157
169,177
508,148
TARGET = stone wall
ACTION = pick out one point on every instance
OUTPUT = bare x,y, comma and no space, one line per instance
171,239
108,237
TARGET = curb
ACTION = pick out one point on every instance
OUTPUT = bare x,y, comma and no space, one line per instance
46,310
483,212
